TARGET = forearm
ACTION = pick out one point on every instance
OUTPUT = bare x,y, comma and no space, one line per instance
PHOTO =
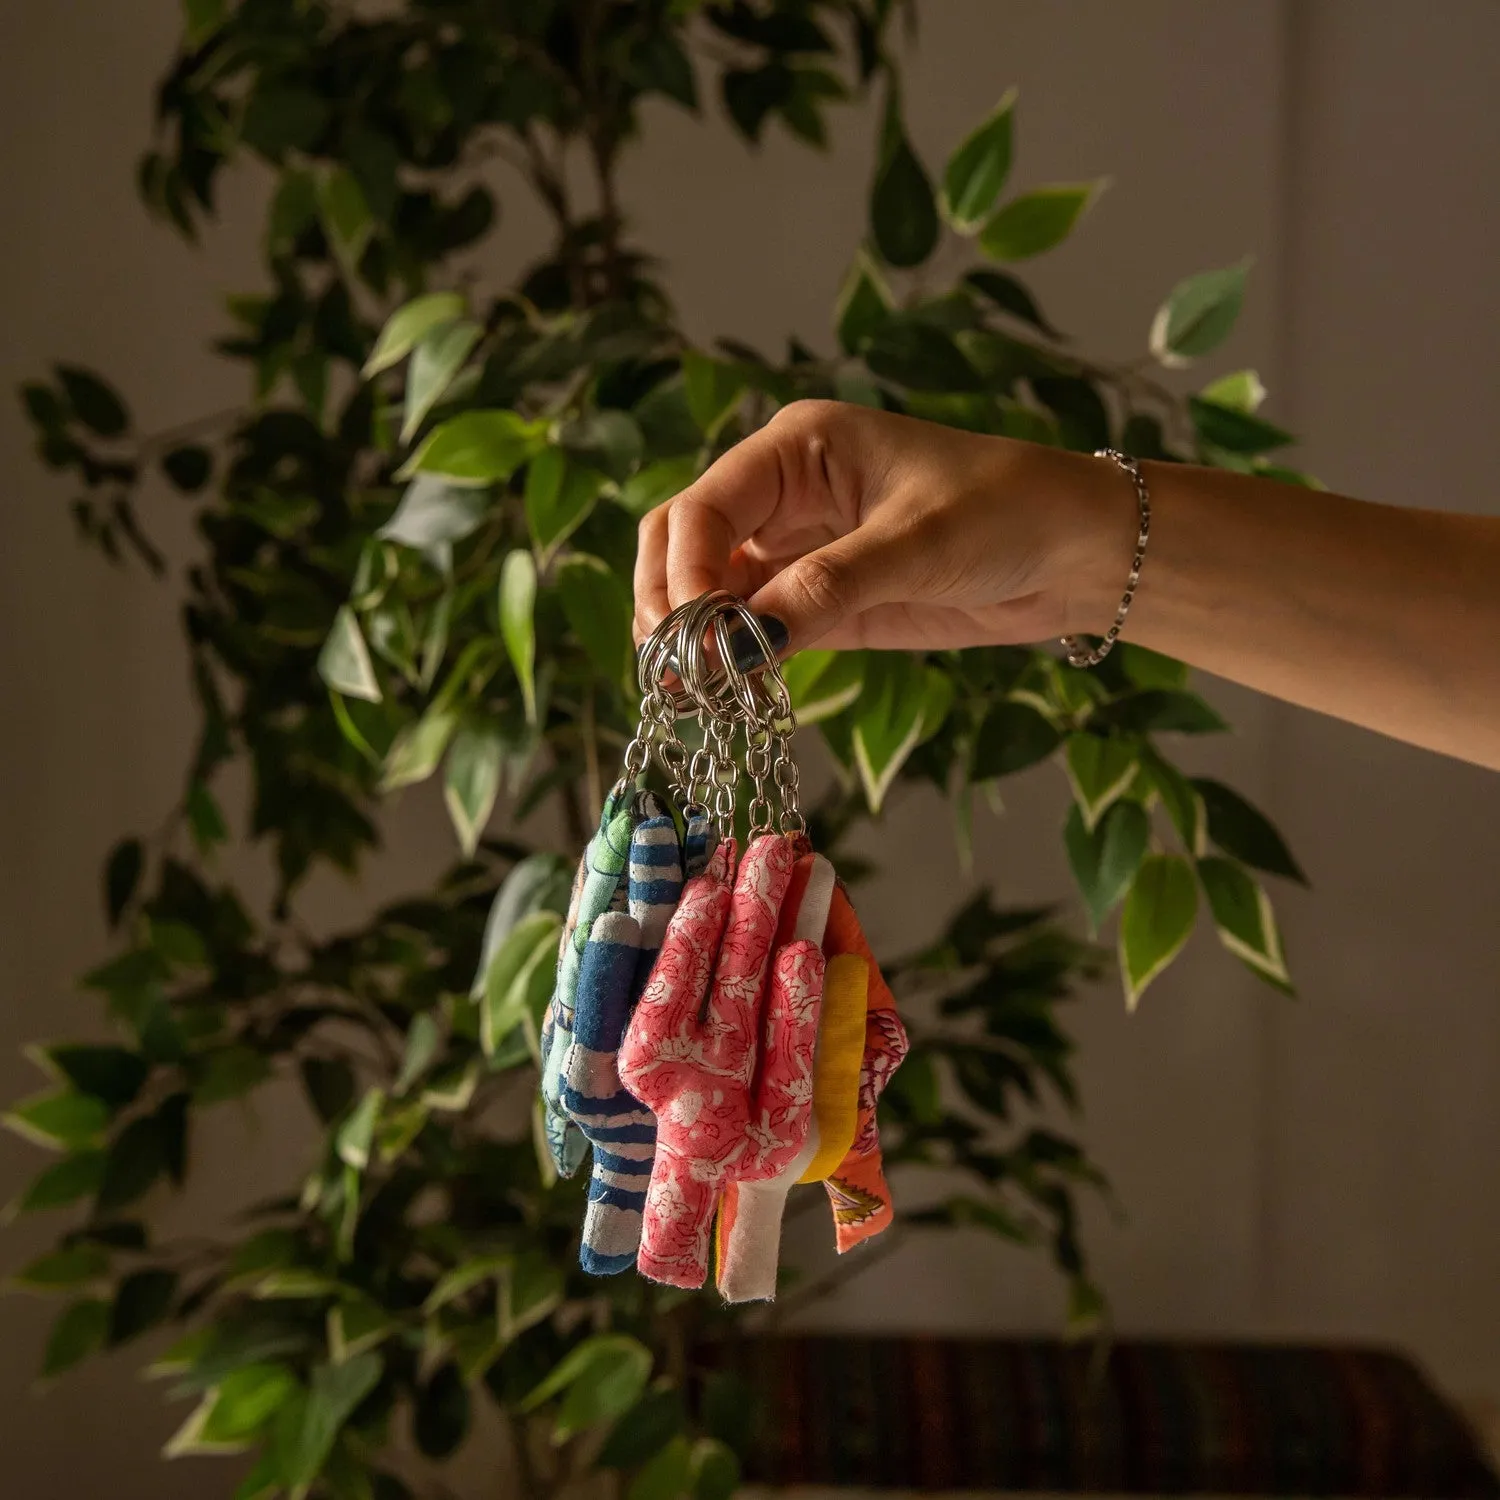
1387,617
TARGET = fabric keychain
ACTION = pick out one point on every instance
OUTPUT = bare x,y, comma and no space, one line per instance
616,961
783,1135
693,1063
600,878
857,1189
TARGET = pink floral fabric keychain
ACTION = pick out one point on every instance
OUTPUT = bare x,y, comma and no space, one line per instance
690,1051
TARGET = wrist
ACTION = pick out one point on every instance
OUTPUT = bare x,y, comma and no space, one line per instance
1098,519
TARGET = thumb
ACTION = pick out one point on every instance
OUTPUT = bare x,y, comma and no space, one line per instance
825,588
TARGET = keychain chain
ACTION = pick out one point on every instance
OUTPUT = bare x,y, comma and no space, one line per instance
726,700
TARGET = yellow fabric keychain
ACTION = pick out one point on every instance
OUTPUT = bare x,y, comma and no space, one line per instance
841,1050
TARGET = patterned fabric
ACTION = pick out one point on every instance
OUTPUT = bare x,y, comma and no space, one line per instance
748,1239
1148,1419
621,1131
594,890
692,1063
615,965
857,1189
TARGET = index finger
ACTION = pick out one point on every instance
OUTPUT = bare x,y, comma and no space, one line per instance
686,546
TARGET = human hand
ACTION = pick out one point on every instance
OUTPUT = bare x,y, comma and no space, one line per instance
859,528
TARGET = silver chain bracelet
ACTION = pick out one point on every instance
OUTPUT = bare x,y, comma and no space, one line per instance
1078,654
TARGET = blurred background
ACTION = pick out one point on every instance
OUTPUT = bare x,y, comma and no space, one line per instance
1324,1167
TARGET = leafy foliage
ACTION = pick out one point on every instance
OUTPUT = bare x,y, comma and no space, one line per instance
415,537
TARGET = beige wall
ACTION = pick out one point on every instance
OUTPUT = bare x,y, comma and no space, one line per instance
1319,1167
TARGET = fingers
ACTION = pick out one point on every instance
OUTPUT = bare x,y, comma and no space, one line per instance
832,587
691,544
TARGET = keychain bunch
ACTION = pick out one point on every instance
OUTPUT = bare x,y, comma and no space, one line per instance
719,1031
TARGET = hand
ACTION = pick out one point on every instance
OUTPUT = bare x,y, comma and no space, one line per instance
859,528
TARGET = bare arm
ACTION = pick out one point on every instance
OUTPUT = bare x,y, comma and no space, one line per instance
859,528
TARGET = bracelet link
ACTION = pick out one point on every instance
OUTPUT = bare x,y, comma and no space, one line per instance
1080,655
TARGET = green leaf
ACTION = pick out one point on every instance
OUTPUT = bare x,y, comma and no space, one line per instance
1183,804
202,18
189,467
602,1377
532,1290
919,356
1157,921
666,1475
1199,315
143,1300
599,608
476,448
205,819
423,1040
658,64
1237,431
1001,288
135,1160
538,882
657,482
59,1121
713,388
409,325
653,1421
78,1265
1243,915
513,977
978,169
112,1074
245,1401
1150,669
1100,771
77,1333
716,1471
329,1083
823,683
344,662
293,210
438,358
559,496
864,304
228,1073
64,1182
336,1391
1105,861
1242,830
1011,737
473,781
355,1325
903,212
418,749
888,721
464,1278
283,117
357,1132
1241,391
518,622
93,402
1161,711
347,219
122,875
434,511
610,441
1037,221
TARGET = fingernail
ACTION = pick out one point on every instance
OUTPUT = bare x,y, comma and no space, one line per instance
748,654
776,632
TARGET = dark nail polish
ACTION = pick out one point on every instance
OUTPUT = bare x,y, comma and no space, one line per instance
776,632
748,653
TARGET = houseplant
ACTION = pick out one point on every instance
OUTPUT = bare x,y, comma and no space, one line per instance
415,536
